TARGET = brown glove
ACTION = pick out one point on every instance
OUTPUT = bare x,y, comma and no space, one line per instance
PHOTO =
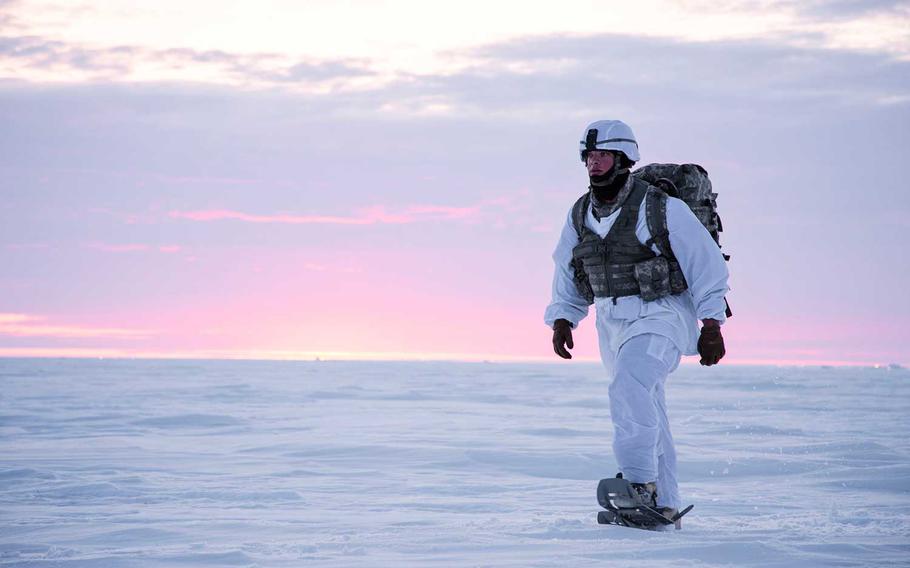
562,338
711,343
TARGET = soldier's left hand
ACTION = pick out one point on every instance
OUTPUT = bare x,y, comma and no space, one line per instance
711,345
562,338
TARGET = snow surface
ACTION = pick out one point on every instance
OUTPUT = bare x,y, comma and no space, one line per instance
241,463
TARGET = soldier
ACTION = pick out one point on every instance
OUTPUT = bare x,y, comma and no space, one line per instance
648,300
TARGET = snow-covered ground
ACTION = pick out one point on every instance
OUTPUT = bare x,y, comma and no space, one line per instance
241,463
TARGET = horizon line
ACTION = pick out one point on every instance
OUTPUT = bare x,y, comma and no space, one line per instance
378,357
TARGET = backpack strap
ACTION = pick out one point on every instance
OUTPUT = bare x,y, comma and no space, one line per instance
656,214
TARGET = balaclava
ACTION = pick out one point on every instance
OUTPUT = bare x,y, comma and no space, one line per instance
610,190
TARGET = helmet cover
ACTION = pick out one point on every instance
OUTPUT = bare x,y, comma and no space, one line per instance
612,135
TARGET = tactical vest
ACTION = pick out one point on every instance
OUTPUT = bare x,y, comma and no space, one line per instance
619,264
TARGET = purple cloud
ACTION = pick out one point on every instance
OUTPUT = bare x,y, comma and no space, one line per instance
112,62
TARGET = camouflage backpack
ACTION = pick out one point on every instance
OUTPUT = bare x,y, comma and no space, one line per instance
690,183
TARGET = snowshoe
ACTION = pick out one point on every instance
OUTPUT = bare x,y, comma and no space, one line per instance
634,505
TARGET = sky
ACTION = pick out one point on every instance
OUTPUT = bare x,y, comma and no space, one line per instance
388,179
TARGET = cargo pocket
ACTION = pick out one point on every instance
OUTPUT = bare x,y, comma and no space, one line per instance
653,277
677,279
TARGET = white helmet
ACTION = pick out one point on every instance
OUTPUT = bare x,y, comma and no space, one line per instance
609,135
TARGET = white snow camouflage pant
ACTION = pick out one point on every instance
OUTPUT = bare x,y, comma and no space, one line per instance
642,442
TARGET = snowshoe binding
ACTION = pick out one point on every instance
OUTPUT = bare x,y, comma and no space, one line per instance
634,505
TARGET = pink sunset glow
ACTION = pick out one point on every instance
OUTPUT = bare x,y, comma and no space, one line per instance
368,216
212,188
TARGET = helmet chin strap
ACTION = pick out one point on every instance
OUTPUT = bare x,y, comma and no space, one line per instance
608,178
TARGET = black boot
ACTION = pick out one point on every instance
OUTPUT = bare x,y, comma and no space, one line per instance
647,492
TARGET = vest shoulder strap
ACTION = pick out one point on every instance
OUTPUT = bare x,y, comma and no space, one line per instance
628,215
579,212
656,214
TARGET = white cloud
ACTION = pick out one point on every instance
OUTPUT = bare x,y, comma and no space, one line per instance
324,46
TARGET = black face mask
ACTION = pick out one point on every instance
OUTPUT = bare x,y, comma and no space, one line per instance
609,191
606,186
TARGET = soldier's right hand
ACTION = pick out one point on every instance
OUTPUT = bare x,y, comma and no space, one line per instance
562,338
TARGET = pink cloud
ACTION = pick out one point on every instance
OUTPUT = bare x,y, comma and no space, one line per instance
128,218
209,180
222,214
443,212
25,325
56,352
367,216
117,248
133,248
